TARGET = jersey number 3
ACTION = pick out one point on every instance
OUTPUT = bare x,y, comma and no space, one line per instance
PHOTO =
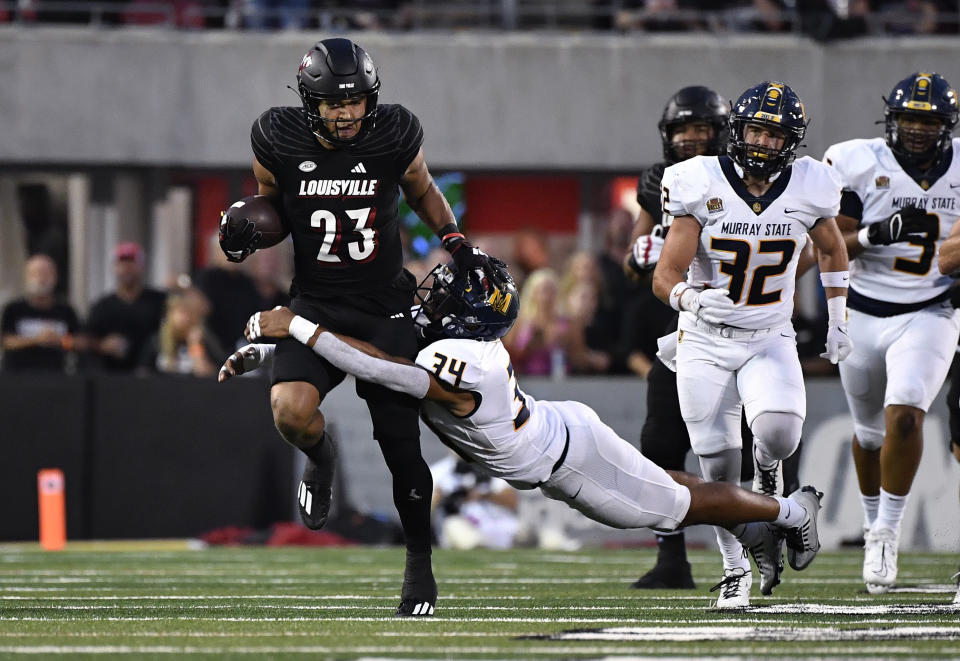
361,249
737,269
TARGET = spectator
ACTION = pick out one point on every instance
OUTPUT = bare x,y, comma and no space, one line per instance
232,294
537,342
120,323
607,331
472,509
183,345
579,299
265,267
530,253
273,14
37,331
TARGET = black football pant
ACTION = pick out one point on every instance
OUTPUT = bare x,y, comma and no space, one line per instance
395,416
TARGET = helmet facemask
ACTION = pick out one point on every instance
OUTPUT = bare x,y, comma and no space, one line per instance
917,145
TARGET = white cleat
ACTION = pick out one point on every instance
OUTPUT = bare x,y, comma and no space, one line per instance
734,588
880,559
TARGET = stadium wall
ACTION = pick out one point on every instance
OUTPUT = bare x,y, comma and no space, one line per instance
495,101
175,457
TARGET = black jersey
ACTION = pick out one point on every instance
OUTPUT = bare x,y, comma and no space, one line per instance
341,203
648,192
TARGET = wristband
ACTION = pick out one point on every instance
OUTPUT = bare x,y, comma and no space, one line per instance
449,230
835,279
862,238
676,293
837,311
302,329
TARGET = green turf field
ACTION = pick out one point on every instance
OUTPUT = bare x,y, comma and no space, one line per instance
166,601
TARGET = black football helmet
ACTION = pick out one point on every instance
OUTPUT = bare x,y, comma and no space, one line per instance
771,104
694,104
451,307
335,70
923,95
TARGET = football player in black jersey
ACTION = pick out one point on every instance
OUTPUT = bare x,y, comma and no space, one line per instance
335,167
694,122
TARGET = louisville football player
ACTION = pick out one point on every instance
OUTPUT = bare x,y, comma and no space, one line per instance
472,401
694,122
336,165
901,199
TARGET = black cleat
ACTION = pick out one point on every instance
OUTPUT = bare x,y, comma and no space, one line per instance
316,486
413,608
666,576
418,598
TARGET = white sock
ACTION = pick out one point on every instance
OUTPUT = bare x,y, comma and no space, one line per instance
791,513
763,460
732,551
890,512
870,506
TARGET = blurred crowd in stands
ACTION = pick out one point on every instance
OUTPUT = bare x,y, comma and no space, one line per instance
820,19
188,329
579,312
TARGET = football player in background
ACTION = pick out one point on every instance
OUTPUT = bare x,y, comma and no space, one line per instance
900,200
335,167
471,400
693,123
728,266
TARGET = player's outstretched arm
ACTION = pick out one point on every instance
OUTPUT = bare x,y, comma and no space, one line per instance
361,359
949,259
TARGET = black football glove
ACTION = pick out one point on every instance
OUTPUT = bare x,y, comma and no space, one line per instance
239,238
908,224
472,261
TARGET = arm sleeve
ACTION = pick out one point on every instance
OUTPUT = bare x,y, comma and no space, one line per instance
408,379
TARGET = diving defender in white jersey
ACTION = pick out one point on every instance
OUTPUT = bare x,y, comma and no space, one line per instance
471,400
728,265
901,199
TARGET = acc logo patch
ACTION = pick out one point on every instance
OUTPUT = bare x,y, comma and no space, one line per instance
714,204
307,166
882,181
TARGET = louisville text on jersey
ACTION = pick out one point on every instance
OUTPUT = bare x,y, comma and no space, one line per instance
338,187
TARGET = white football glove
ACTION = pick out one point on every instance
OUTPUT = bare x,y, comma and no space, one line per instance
839,344
245,360
712,305
646,252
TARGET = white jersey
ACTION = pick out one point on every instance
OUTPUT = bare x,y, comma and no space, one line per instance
511,434
901,272
750,245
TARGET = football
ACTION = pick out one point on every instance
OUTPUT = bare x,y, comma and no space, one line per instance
265,217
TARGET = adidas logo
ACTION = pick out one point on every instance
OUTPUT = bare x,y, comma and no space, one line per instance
359,169
398,315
